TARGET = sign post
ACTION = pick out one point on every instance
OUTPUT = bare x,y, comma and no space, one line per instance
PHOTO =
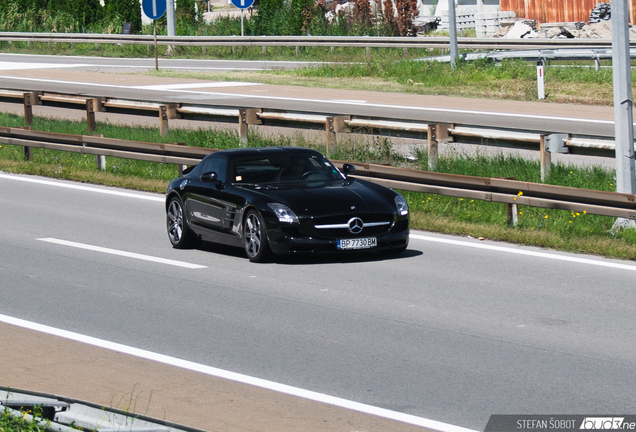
242,4
154,9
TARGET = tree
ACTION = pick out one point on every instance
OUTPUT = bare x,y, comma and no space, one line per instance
299,9
186,12
389,16
265,17
406,11
121,11
85,12
362,12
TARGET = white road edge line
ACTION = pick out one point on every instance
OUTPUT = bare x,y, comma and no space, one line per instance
525,252
233,376
374,105
83,188
122,253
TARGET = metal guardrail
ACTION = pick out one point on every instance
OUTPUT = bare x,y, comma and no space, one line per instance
506,191
63,414
309,41
579,53
335,126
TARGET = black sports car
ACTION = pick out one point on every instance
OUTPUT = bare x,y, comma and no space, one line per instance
283,200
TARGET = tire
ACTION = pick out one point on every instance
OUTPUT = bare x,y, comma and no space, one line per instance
180,235
255,238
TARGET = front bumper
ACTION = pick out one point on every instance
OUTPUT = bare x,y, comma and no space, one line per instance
282,242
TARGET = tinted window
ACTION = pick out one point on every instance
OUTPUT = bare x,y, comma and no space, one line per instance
285,168
216,165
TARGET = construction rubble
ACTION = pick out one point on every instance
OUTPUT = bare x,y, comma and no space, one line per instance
525,29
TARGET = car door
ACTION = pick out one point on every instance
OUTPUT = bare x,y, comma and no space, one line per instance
207,204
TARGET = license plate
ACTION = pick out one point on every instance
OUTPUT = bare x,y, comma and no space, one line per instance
361,243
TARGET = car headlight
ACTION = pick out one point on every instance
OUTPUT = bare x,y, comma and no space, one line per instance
283,213
402,205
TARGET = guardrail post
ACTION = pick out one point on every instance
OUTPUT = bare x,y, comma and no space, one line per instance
100,161
98,104
163,121
436,133
247,116
540,79
264,50
28,110
546,159
90,115
35,98
512,214
334,125
297,50
166,112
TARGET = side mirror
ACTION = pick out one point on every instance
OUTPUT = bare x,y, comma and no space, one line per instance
348,169
209,177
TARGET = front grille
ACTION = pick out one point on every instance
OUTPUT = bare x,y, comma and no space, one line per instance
336,227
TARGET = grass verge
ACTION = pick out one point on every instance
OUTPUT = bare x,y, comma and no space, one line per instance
555,229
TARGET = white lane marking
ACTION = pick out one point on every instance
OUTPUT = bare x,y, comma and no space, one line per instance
123,253
186,68
526,252
23,66
83,188
166,87
340,102
233,376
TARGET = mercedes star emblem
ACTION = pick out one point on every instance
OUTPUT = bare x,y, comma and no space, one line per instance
355,225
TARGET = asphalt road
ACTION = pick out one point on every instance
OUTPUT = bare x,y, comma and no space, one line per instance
67,75
453,330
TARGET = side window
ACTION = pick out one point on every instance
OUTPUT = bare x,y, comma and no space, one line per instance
217,165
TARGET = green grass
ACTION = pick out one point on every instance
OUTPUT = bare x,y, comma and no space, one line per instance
558,229
9,423
509,80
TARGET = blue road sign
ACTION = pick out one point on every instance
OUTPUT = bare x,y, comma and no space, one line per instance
242,4
154,9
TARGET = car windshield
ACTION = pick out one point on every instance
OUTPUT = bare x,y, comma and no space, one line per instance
285,168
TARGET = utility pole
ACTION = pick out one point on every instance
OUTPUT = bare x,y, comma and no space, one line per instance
171,22
452,24
623,117
170,17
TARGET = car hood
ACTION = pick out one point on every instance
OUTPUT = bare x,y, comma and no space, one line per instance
330,198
